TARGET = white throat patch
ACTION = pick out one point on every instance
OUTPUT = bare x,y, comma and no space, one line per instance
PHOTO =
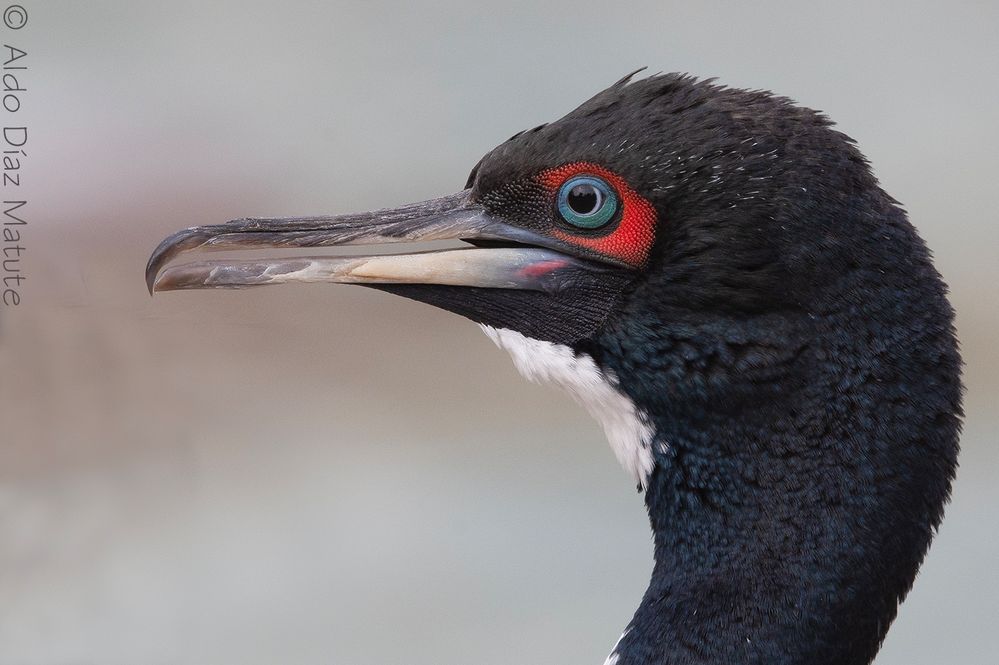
626,427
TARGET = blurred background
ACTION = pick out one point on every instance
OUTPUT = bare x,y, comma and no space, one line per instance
333,475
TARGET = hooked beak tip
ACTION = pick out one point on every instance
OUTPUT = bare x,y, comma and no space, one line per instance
177,243
151,271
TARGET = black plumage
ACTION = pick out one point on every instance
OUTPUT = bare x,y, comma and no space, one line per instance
788,339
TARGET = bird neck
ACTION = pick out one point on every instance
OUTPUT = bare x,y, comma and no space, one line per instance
791,502
746,573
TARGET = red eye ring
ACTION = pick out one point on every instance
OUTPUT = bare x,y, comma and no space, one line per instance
631,241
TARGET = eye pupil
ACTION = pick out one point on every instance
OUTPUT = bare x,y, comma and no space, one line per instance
584,199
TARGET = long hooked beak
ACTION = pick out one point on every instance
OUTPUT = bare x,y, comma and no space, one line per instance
518,258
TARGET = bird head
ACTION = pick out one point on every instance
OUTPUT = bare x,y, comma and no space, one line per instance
662,204
661,180
716,274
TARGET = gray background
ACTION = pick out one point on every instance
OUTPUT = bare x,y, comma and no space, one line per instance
332,475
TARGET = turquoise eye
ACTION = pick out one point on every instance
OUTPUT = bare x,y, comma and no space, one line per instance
587,202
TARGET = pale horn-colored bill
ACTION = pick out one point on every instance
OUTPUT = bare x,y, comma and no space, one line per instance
499,268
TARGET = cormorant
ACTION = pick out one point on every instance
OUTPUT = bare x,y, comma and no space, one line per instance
717,276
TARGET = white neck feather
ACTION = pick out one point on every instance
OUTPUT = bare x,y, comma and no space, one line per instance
627,428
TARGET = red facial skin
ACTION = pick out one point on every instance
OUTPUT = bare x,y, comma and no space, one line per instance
542,268
631,240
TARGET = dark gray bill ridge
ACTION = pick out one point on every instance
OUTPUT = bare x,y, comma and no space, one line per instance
404,224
